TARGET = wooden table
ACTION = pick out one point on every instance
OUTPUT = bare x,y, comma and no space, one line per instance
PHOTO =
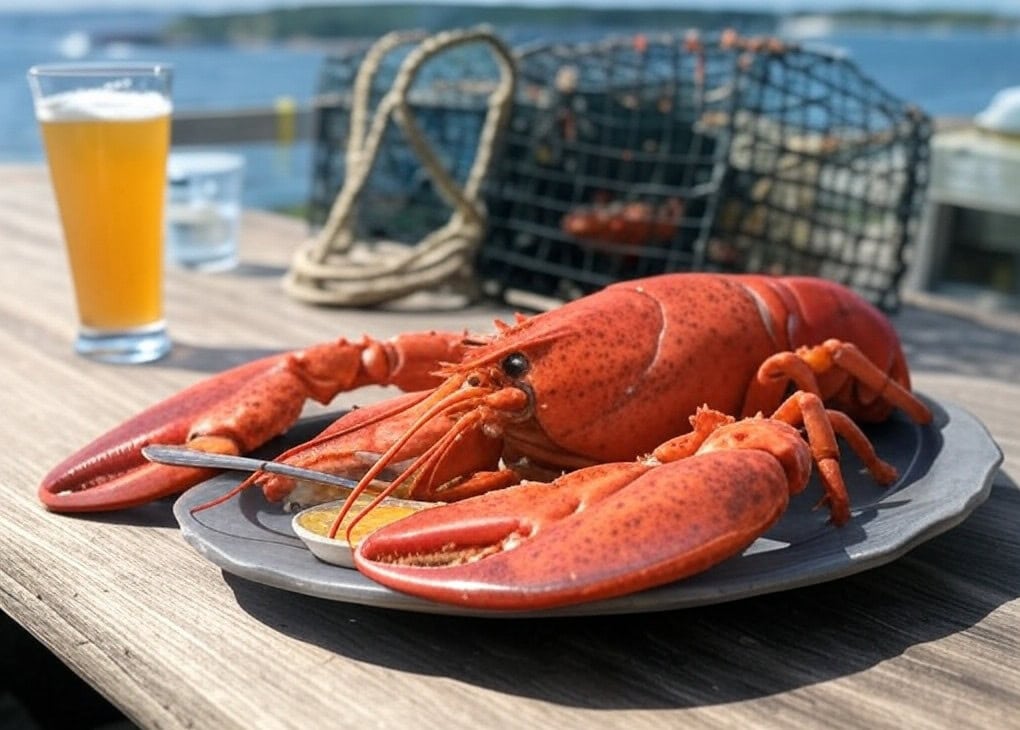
931,640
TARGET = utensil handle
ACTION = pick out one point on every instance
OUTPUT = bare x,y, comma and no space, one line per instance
183,456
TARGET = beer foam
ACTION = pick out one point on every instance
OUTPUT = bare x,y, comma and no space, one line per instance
102,104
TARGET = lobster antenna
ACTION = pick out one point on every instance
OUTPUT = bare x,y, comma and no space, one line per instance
444,402
426,460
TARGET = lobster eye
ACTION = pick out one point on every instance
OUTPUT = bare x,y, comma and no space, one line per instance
515,365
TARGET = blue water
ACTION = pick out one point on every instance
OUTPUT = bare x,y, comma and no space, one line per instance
205,77
946,74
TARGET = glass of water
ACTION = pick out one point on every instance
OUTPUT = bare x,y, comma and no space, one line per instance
204,208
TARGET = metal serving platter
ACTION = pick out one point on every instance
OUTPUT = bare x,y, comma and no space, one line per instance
946,471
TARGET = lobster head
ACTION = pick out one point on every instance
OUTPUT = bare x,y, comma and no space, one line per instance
589,378
580,385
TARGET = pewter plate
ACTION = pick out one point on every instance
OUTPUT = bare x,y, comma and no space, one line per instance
946,471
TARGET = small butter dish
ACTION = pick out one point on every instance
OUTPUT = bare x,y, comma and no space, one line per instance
312,525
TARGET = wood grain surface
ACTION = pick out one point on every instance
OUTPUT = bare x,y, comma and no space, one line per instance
929,641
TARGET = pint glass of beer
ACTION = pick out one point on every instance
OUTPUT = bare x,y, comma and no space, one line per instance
106,129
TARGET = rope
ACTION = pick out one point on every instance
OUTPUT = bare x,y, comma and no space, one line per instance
335,268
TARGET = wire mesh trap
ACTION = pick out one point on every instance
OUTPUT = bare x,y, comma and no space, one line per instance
344,265
634,156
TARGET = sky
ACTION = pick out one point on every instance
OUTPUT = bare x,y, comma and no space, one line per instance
1011,7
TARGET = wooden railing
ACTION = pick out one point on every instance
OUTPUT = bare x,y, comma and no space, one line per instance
285,122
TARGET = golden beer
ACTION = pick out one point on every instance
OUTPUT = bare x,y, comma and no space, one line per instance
106,129
109,176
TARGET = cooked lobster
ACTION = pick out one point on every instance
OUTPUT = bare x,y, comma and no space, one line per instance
587,388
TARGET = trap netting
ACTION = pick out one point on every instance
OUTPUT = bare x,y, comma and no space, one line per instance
634,156
449,98
401,165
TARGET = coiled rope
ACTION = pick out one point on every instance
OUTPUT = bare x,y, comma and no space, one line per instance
334,267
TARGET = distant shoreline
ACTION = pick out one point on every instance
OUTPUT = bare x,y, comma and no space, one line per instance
310,24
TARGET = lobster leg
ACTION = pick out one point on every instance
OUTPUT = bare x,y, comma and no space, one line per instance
613,529
830,369
235,412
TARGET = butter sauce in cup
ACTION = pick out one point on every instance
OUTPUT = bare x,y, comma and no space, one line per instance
312,525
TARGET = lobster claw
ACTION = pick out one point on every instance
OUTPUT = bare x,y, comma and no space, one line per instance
233,413
613,529
596,533
110,473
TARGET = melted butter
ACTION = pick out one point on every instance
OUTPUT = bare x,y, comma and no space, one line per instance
320,520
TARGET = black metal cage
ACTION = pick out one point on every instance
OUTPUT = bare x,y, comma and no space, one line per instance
648,154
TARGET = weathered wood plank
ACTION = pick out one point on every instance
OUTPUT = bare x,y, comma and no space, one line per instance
930,641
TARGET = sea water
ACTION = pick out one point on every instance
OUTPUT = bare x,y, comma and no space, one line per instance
206,78
948,72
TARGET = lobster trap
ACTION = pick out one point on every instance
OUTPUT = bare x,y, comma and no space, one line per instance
408,168
635,156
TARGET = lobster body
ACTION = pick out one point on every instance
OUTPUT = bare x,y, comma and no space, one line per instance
674,343
611,376
586,388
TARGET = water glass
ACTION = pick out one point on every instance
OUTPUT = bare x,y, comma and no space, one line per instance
204,208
